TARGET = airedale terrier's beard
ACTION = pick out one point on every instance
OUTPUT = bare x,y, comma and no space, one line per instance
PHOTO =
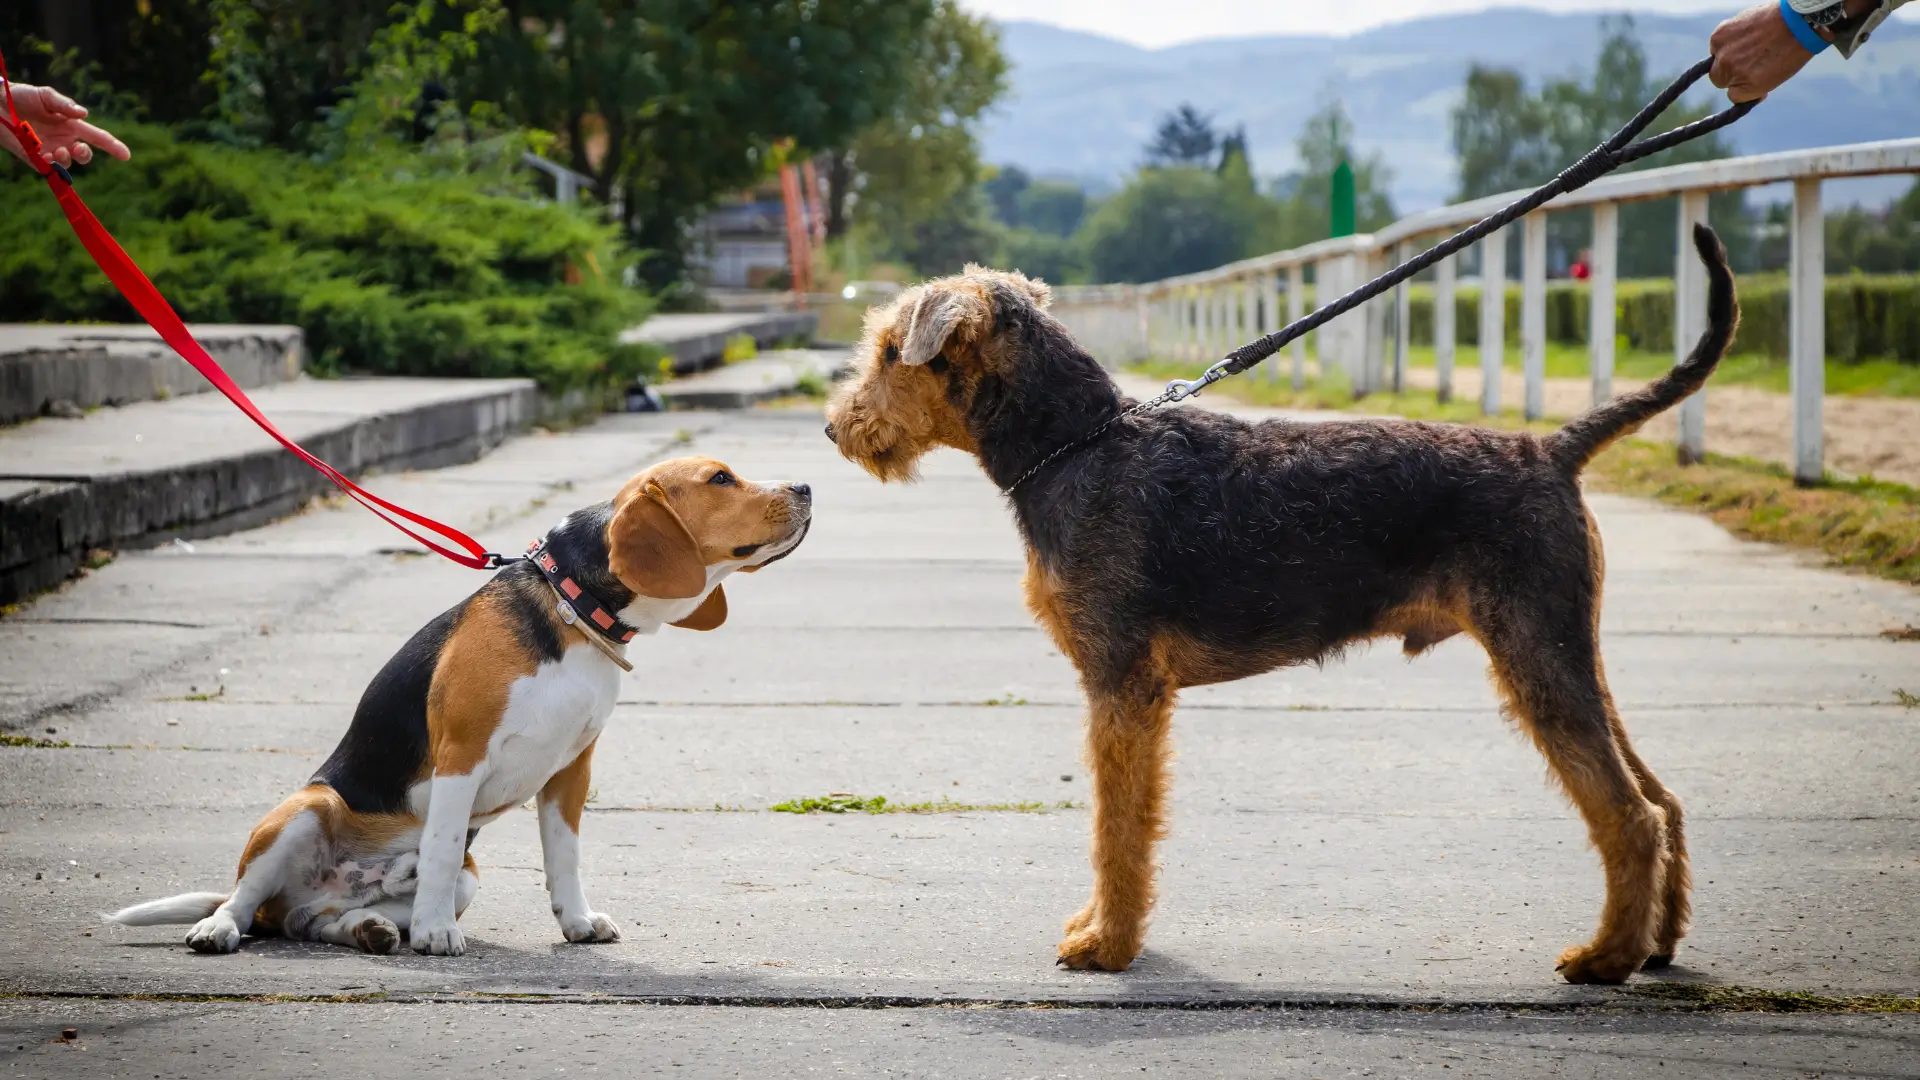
887,450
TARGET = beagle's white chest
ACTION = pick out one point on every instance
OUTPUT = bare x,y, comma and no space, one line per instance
551,716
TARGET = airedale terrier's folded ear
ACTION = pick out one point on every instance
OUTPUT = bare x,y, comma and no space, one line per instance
940,310
650,550
710,614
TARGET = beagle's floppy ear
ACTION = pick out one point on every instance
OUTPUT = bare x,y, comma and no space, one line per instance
933,319
710,614
650,549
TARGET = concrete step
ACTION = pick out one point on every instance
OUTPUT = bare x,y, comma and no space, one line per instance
58,368
749,382
696,342
195,466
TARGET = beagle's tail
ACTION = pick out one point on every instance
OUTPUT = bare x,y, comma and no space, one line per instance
1577,443
185,908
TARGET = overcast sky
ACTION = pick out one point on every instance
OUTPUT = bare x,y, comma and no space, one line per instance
1154,23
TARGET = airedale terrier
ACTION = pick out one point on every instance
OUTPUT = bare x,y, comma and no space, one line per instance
1184,547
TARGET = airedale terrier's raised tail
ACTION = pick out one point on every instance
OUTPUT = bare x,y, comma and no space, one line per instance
1577,443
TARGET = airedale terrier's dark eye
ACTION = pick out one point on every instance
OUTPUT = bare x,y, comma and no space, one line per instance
938,365
721,478
893,353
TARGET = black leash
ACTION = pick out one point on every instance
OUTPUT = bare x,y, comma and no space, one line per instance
1605,158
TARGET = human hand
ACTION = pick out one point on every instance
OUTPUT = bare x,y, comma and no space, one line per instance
62,126
1754,52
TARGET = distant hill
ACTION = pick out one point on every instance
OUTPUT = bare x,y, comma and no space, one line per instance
1082,105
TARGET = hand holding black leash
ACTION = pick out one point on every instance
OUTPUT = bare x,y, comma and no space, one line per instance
1605,158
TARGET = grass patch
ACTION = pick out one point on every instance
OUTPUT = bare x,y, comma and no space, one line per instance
842,803
37,744
1864,524
1867,525
1748,999
1910,700
1007,699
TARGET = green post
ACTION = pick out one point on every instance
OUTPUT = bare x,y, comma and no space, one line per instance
1343,212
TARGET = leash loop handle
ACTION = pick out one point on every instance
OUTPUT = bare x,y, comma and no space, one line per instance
139,291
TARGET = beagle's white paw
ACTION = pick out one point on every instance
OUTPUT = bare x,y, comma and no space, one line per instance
437,939
592,927
214,934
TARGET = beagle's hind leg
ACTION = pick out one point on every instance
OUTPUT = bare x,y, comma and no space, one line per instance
374,928
286,839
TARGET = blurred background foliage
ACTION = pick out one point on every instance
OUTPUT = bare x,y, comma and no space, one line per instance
355,165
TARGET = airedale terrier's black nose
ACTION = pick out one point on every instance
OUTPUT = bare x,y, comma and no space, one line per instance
830,437
804,491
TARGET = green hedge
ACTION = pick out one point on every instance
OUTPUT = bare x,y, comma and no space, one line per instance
1868,317
396,276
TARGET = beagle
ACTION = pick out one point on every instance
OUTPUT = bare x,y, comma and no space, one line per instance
494,702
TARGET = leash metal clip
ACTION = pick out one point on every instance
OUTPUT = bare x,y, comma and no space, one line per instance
1182,389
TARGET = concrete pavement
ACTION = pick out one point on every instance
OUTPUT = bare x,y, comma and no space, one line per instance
1351,848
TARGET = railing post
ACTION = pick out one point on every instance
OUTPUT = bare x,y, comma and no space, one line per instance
1689,322
1601,312
1807,317
1190,316
1444,332
1533,311
1297,310
1207,316
1402,320
1270,322
1493,319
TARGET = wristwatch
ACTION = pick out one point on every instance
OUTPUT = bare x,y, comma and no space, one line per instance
1820,14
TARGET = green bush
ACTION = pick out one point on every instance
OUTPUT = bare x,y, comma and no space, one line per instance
1868,316
384,274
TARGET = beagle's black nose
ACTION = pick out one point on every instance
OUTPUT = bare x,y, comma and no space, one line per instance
830,437
805,491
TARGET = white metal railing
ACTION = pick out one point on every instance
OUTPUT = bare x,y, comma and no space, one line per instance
1202,316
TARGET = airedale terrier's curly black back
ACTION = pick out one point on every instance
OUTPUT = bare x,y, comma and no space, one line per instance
1185,547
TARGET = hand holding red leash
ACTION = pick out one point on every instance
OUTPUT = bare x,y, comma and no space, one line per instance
61,124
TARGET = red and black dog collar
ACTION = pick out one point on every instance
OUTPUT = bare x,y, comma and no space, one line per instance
584,603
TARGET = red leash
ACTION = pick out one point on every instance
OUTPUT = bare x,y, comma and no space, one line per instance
133,284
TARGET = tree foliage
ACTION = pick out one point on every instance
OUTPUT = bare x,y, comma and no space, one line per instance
1186,136
911,173
671,103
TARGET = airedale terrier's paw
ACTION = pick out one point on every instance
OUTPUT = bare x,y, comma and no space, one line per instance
1080,920
1090,949
1586,964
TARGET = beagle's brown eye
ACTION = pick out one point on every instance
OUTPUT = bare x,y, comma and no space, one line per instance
722,478
893,353
938,365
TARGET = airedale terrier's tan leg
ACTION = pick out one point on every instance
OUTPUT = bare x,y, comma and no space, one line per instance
1127,753
1675,910
1546,660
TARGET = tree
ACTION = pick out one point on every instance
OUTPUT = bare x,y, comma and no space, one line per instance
1053,207
1177,220
911,172
670,103
1004,189
1185,137
1325,142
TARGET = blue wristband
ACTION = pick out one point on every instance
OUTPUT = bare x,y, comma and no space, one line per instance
1803,33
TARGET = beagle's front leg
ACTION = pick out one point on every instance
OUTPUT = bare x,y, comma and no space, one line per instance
561,802
443,850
